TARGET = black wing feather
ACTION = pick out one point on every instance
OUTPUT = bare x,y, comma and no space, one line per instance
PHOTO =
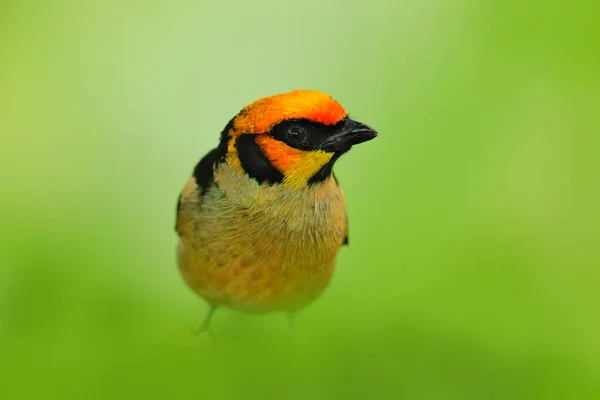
204,176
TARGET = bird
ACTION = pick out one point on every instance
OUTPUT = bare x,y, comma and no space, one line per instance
262,217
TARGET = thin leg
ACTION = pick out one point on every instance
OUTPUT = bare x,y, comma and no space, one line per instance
290,333
205,327
291,320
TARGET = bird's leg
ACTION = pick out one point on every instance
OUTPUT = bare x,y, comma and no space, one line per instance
290,333
205,327
291,316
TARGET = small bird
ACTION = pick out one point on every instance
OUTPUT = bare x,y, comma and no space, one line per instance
262,217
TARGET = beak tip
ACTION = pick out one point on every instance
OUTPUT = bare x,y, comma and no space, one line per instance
349,134
366,130
369,133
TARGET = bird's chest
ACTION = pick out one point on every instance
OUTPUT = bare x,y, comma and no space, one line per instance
277,227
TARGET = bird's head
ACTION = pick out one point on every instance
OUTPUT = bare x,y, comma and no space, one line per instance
291,138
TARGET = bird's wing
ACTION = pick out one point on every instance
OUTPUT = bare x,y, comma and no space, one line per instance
197,184
346,238
345,242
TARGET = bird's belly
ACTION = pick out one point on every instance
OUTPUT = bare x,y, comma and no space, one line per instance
253,281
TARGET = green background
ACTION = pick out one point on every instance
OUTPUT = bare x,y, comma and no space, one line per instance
474,262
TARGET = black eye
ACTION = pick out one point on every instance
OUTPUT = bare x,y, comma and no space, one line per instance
296,135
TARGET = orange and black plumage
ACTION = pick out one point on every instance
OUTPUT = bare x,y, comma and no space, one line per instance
262,217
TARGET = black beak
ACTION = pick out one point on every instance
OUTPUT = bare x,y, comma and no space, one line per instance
348,133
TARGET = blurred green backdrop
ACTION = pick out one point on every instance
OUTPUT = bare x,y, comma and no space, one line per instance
473,270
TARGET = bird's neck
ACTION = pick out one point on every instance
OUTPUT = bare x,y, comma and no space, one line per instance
244,190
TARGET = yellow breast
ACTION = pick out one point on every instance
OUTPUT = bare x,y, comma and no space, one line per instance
259,248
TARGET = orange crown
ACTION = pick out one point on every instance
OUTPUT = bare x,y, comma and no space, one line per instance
263,114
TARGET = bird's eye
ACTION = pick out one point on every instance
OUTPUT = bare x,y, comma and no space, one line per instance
296,135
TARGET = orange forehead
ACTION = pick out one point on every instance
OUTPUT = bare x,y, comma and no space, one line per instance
263,114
